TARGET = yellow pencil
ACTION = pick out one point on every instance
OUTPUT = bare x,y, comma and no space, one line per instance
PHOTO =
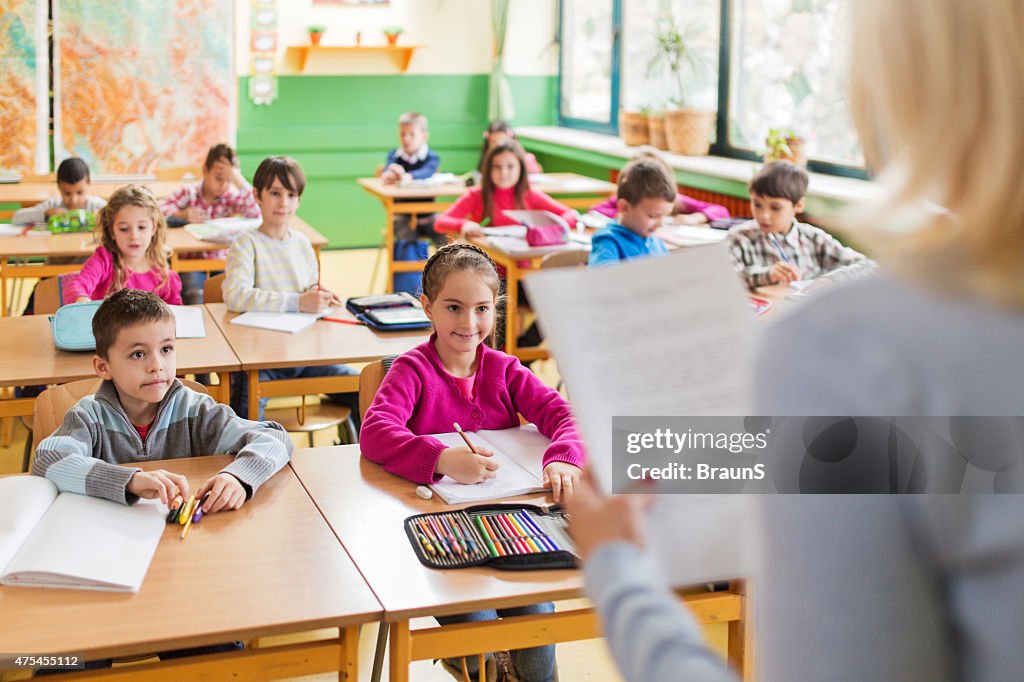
190,507
463,434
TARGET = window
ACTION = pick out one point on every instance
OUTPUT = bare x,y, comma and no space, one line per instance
589,82
782,65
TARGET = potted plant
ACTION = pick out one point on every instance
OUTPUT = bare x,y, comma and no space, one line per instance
784,145
633,126
392,33
316,32
687,129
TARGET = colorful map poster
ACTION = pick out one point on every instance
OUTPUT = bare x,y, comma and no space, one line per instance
23,74
143,84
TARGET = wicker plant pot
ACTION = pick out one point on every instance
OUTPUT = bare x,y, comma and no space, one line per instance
688,131
633,126
656,128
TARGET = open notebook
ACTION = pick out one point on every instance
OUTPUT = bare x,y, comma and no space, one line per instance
279,322
51,539
519,451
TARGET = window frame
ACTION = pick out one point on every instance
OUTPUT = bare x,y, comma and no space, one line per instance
723,145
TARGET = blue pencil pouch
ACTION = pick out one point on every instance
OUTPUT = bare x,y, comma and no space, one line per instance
71,326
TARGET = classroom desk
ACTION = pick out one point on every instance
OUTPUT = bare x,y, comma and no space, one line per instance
323,343
270,568
365,506
571,189
31,193
29,358
15,252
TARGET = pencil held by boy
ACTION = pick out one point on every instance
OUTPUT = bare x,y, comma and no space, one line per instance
646,195
73,182
274,269
132,253
776,248
412,159
142,413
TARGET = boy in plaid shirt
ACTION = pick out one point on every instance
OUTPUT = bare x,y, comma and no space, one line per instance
775,248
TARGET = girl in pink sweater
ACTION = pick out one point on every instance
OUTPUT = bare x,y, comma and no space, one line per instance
455,377
132,252
505,186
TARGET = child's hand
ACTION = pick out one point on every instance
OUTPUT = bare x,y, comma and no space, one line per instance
50,212
82,299
596,519
691,219
225,493
784,273
237,178
194,214
562,477
471,230
151,485
316,300
465,466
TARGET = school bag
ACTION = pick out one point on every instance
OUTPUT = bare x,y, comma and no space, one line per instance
409,249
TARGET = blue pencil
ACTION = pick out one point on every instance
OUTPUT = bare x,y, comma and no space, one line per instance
778,248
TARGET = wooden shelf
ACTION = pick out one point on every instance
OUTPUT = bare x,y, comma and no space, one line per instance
335,58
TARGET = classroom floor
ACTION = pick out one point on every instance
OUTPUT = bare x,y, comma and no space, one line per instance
348,273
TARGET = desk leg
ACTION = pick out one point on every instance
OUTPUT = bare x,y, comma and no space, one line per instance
741,649
4,269
254,394
401,651
348,668
389,244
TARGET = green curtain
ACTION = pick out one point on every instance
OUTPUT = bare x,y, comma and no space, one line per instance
499,104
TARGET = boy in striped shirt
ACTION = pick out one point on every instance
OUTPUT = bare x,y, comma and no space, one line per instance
274,269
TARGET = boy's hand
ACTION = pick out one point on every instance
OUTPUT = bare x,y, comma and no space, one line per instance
194,214
225,493
784,273
471,230
316,300
562,477
465,466
596,519
161,484
50,212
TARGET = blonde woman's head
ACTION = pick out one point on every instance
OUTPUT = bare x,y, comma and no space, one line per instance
937,93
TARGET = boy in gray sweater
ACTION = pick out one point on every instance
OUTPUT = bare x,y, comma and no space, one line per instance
142,413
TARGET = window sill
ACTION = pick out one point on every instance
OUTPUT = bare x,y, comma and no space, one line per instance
827,194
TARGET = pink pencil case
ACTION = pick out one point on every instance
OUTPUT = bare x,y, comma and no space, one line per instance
546,235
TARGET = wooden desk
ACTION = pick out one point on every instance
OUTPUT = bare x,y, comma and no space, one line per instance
270,568
29,358
15,252
31,193
571,189
323,343
365,506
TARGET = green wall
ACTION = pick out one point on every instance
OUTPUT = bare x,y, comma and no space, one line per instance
340,128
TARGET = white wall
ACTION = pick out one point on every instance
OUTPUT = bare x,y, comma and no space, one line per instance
456,34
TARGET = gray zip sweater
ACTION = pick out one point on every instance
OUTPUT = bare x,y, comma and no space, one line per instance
82,455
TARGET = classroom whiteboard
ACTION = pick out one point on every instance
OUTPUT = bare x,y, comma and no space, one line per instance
142,84
23,74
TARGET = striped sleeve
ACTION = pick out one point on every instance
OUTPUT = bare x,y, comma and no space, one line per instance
651,636
66,460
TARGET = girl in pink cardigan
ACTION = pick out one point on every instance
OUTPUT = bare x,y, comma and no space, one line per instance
132,252
455,377
505,186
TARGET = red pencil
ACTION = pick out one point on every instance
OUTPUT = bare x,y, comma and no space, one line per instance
341,320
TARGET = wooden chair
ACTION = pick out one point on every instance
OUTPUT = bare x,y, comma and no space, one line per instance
575,258
49,295
370,380
307,419
52,404
185,173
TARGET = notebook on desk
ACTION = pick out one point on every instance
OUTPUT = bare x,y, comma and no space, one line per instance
51,539
279,322
222,230
518,451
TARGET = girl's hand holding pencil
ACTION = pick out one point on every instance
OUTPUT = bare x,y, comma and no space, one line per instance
471,464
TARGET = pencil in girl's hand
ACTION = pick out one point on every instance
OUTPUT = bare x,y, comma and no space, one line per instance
463,434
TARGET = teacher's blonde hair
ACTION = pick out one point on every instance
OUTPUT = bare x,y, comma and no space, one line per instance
937,93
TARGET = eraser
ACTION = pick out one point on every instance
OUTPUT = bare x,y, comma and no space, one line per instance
423,492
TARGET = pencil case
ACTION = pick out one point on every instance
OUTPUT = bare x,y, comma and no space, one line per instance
71,326
360,304
546,235
516,537
396,319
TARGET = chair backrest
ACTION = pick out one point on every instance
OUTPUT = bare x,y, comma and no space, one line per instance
213,291
48,295
370,380
54,402
179,173
572,258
